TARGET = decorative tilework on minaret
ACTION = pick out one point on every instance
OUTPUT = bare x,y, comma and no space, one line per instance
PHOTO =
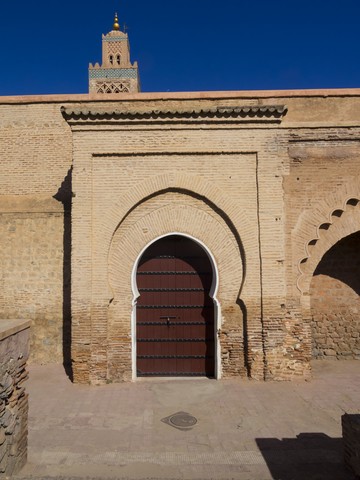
116,74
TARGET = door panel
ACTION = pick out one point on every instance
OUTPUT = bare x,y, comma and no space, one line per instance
175,314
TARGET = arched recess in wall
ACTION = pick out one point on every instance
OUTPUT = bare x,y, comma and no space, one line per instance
335,301
317,231
188,185
320,228
176,211
173,212
340,223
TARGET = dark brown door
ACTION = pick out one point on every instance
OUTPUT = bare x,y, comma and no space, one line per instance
174,313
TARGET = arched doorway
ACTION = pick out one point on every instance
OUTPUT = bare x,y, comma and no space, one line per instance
175,328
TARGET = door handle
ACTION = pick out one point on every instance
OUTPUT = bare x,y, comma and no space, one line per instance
167,317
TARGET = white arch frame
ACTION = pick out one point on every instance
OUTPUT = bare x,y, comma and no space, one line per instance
213,294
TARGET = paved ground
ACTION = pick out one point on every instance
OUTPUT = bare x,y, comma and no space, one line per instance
245,429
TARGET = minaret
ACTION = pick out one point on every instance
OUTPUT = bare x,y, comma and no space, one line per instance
116,74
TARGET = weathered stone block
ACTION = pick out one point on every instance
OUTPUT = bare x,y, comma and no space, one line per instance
14,351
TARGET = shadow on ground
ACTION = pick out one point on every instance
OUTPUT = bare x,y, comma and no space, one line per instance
310,456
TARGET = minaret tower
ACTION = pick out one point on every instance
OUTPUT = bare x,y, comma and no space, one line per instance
116,74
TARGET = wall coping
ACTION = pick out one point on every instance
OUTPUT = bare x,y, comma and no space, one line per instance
10,327
144,96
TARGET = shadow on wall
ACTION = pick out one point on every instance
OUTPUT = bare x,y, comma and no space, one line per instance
310,456
247,360
64,196
335,301
342,262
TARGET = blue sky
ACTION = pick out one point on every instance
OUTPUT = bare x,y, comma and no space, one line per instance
183,45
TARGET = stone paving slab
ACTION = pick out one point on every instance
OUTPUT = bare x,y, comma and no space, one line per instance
245,429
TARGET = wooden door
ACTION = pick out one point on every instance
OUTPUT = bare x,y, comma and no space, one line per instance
175,313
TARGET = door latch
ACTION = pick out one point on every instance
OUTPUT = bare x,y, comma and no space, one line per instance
167,318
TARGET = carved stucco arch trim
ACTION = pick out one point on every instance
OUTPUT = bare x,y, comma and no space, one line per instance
181,181
311,227
183,219
190,184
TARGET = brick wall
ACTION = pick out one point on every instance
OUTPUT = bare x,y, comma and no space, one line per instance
323,167
264,187
321,198
35,146
236,173
119,173
35,150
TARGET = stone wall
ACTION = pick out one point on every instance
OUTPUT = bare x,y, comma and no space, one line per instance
351,440
14,352
32,271
335,301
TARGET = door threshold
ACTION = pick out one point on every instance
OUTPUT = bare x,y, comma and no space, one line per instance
163,379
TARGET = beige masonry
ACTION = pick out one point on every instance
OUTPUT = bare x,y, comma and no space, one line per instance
266,181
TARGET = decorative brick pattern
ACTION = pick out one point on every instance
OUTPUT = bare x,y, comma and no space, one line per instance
113,73
114,87
114,39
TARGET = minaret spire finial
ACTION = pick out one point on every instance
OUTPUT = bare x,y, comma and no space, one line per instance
116,23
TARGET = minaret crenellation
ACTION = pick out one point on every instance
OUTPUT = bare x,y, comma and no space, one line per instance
116,74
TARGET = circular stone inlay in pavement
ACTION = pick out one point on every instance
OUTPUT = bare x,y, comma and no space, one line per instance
182,420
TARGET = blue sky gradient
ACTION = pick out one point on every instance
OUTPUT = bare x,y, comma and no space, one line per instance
186,45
